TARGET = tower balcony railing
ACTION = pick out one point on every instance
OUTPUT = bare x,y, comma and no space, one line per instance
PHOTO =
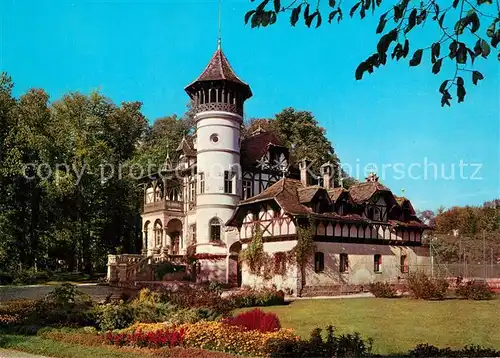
163,205
219,106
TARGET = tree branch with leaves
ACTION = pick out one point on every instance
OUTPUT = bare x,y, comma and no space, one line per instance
458,23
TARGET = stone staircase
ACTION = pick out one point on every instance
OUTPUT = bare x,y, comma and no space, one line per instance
126,270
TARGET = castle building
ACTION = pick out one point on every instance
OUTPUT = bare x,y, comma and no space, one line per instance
224,189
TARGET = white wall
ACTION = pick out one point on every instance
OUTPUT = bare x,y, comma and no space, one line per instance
361,263
285,282
213,158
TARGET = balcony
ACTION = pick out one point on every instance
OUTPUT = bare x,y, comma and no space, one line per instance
163,205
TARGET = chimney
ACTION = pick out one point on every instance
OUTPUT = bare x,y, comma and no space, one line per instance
303,166
327,172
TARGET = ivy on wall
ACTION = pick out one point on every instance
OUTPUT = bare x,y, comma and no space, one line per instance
254,255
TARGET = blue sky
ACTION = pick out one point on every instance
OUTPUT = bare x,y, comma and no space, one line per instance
148,51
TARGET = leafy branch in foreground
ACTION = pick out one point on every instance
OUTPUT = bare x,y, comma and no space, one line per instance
468,30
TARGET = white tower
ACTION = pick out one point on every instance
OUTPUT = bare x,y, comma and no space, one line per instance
218,96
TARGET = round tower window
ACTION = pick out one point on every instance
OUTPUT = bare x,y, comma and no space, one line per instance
214,138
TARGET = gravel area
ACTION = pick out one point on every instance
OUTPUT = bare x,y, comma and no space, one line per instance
33,292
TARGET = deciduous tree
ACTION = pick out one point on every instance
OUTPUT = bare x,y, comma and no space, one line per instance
466,32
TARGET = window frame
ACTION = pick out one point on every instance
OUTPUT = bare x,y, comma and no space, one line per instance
344,263
202,182
246,191
228,182
377,263
403,264
215,223
192,190
319,262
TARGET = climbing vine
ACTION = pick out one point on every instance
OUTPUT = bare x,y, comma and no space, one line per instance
280,260
305,244
254,255
304,248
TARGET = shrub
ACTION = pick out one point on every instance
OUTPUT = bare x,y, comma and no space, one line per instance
252,298
196,297
350,345
114,316
215,287
427,350
16,311
24,277
6,278
382,289
474,290
65,306
421,286
256,319
153,339
67,295
147,307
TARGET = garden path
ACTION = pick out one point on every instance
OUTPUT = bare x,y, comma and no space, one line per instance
7,353
34,292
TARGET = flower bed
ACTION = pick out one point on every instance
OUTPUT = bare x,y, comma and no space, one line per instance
166,337
219,336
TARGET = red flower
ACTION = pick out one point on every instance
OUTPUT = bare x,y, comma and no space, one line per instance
255,319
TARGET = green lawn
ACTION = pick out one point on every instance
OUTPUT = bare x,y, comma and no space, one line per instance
39,345
397,325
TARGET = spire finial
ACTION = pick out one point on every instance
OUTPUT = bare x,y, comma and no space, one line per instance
219,37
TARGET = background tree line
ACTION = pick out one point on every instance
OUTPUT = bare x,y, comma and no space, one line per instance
66,216
462,233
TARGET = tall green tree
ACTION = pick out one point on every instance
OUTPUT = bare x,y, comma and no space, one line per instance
302,134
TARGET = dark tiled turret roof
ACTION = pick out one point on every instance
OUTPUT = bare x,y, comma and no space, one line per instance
219,69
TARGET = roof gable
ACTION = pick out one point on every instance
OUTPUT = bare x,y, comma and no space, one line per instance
255,147
186,148
362,192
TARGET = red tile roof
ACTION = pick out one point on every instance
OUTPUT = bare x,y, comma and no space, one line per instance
290,194
401,200
362,192
253,148
415,223
335,193
307,194
284,192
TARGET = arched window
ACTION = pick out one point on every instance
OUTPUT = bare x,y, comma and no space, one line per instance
158,229
215,229
146,229
319,262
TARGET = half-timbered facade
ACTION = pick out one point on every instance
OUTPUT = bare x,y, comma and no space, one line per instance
361,235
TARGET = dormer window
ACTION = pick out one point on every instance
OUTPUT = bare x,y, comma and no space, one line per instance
373,213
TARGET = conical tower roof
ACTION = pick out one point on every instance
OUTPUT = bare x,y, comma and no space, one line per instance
219,69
